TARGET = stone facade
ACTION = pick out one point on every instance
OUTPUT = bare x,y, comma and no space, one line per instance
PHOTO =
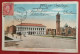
11,29
31,29
68,31
50,31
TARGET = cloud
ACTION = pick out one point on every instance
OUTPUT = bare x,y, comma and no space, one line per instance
68,14
50,13
28,11
17,13
57,9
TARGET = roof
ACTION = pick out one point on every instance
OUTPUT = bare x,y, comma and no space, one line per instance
58,13
30,24
66,25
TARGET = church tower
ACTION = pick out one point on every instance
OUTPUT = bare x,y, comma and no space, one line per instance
58,24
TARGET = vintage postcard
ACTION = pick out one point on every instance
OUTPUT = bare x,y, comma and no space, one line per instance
40,26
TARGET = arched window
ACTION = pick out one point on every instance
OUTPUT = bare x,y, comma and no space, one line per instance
31,28
37,28
69,31
43,32
43,28
25,28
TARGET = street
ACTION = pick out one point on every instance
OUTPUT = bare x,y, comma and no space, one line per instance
47,42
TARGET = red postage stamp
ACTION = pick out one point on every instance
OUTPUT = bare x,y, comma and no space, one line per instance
8,8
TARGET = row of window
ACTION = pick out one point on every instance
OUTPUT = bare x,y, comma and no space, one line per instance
30,33
22,28
33,33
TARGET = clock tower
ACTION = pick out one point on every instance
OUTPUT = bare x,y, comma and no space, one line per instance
58,24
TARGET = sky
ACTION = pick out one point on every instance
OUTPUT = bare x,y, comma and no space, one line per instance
43,14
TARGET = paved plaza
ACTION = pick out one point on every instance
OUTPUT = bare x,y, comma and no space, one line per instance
47,42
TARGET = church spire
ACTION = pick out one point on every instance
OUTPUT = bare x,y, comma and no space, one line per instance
58,13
